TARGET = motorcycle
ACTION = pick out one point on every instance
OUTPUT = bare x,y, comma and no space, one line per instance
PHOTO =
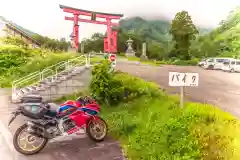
46,123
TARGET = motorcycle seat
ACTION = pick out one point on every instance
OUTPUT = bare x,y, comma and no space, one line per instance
31,99
52,109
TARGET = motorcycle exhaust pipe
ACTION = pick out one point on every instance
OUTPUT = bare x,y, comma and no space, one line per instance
35,129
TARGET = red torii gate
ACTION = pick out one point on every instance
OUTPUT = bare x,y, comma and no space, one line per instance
110,42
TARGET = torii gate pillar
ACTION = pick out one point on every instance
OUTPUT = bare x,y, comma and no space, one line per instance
75,31
110,43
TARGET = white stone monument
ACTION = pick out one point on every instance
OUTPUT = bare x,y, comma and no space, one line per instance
144,48
130,52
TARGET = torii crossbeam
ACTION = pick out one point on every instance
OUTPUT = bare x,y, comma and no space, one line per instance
110,42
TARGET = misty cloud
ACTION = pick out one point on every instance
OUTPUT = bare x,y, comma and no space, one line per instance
45,17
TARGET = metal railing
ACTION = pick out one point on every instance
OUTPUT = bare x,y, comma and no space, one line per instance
24,80
51,71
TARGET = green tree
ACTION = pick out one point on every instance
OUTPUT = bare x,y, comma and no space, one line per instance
183,32
52,44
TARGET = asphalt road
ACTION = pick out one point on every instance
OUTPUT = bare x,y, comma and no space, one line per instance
215,87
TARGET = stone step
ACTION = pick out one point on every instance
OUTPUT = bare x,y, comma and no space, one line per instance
50,81
45,82
25,90
31,88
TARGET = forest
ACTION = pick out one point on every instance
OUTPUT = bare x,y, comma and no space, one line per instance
178,39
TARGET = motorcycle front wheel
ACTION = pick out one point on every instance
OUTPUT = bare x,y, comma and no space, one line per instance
26,143
97,129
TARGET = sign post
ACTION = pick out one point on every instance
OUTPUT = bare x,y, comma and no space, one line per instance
112,58
182,80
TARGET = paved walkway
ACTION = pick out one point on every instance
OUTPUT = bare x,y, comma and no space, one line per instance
5,151
66,148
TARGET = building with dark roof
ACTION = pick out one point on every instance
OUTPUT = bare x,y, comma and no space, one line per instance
8,28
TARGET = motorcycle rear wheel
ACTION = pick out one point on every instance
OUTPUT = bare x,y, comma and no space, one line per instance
93,129
23,150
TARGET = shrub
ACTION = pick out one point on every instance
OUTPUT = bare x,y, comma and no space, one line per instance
17,41
12,57
103,86
114,87
135,87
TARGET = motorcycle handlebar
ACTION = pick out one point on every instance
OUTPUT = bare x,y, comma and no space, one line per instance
86,99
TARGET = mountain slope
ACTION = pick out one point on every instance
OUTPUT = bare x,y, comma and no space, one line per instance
150,30
222,41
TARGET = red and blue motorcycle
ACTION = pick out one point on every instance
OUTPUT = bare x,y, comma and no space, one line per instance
46,122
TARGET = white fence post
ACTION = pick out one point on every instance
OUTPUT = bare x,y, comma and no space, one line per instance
41,75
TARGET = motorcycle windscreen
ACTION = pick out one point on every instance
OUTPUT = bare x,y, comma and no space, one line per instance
89,111
63,110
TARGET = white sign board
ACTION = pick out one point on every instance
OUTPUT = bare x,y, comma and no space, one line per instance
177,79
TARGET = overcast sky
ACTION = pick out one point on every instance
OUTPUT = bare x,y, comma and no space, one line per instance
45,16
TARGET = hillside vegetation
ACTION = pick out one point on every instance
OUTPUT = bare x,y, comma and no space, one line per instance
154,32
150,30
222,41
17,60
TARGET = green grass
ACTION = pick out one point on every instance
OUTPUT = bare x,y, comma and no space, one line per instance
150,62
192,62
157,129
96,59
72,96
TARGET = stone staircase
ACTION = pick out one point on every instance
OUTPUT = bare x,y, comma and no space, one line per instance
55,81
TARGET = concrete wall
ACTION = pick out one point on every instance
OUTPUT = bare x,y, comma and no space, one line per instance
77,83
